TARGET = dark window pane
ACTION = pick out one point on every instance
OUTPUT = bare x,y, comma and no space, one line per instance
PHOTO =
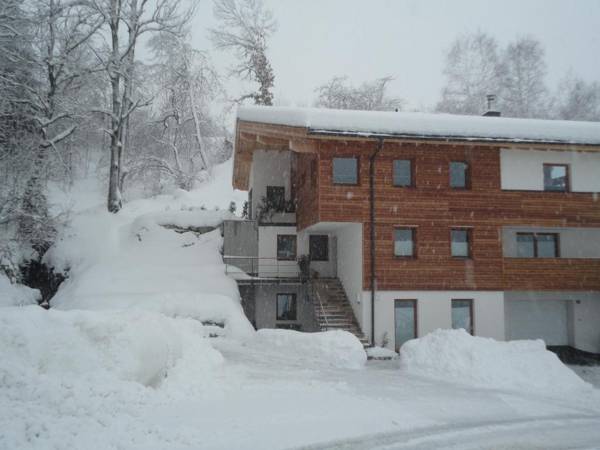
460,243
405,321
403,242
276,198
555,178
546,245
318,247
402,172
461,315
458,174
525,246
286,247
345,170
286,307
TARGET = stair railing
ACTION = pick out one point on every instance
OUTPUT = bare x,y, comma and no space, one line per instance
323,315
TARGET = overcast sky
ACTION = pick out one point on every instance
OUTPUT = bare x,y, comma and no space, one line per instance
407,39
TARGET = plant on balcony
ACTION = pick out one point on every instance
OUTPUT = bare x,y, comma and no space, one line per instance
267,208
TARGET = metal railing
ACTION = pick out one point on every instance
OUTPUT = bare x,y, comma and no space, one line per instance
318,297
244,267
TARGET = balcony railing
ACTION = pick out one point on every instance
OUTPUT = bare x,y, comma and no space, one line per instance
249,267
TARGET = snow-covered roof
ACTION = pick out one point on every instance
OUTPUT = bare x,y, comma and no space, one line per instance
425,125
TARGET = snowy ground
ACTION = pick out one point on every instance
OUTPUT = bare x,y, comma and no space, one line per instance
123,361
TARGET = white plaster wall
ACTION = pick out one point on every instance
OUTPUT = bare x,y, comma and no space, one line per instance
586,317
267,248
434,310
523,169
538,319
350,266
270,168
573,242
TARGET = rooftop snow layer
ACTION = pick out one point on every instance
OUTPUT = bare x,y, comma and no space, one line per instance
426,125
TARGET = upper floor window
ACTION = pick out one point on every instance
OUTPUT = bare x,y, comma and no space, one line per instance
459,175
556,177
318,247
460,242
404,242
345,170
402,173
276,198
286,307
537,245
286,247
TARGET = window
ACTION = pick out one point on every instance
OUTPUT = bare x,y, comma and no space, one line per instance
286,247
345,170
459,175
404,242
402,173
286,307
405,318
462,315
276,198
318,247
460,242
556,177
537,245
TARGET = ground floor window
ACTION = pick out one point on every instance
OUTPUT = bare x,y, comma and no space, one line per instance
405,317
462,315
286,307
286,247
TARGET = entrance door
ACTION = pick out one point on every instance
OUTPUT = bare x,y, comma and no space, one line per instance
405,316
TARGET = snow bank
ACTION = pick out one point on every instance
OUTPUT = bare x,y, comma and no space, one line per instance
456,356
16,294
381,353
132,346
333,348
414,124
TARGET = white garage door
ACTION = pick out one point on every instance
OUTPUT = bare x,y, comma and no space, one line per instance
537,319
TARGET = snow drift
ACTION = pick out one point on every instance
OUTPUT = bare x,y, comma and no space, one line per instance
331,348
456,356
16,294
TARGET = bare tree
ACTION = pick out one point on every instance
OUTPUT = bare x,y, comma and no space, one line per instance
523,92
473,69
245,27
338,94
577,99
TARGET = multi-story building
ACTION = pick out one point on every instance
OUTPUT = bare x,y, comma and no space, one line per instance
395,224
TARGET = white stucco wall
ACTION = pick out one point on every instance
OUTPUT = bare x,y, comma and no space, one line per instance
350,265
267,248
270,168
523,169
574,242
434,310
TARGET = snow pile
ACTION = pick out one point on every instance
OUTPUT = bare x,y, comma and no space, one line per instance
332,348
92,347
16,294
414,124
381,353
456,356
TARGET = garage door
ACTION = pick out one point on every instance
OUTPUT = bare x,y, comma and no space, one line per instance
537,319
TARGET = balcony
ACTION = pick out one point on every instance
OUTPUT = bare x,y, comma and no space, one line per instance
259,268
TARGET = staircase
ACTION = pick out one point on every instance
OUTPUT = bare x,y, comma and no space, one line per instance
332,308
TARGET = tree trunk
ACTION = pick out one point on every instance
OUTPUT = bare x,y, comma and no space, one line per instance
114,191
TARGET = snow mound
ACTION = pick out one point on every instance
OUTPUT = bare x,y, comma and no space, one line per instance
456,356
331,348
16,294
101,348
381,353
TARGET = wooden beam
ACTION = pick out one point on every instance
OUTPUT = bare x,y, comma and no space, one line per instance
304,145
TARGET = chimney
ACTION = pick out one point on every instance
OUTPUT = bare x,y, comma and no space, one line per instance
491,99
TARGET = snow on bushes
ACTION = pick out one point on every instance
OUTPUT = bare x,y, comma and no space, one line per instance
456,356
333,348
17,294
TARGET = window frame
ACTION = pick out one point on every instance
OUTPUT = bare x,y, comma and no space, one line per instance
278,208
535,244
567,176
415,308
411,162
320,236
291,258
471,330
295,303
357,159
467,185
413,231
469,231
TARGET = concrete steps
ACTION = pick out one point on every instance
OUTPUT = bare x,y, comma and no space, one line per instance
333,311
